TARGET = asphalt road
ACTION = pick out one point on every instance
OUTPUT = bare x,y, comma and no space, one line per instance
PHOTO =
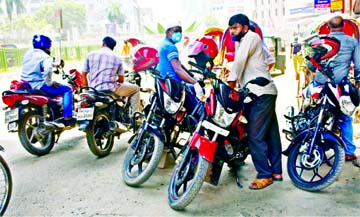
70,181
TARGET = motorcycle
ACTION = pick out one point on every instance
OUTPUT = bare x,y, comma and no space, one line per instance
220,137
165,118
316,153
28,109
5,184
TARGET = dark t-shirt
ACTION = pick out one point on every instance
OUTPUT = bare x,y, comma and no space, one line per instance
296,48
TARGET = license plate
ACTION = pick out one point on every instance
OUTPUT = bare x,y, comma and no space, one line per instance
215,128
12,126
85,114
12,115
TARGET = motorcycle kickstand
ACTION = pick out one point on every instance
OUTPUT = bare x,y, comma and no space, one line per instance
237,179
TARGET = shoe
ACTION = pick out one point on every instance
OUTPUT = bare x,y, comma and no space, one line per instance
70,123
356,162
350,157
277,177
258,184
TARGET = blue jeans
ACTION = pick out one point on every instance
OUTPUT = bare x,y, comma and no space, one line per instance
66,93
346,128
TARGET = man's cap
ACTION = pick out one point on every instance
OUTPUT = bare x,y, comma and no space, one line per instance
171,24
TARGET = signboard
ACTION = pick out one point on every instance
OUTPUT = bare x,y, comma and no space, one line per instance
321,3
337,6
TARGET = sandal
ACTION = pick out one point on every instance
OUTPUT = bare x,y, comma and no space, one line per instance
261,183
277,177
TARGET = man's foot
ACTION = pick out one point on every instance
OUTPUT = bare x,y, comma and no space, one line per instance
350,157
258,184
356,162
69,122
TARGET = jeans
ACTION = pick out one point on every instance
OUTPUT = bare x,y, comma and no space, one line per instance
346,128
66,93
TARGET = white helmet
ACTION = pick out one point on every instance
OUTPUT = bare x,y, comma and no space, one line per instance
171,24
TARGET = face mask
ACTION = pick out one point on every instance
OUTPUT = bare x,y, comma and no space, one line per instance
176,37
238,37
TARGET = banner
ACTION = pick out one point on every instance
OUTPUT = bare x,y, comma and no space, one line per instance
321,3
337,6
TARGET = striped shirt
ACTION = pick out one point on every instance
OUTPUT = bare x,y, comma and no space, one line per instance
103,67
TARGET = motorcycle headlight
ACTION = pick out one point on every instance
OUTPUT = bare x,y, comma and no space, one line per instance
170,105
221,117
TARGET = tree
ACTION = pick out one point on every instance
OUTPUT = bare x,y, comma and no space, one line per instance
10,4
73,15
114,13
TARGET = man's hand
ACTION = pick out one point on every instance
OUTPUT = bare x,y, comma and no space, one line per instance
55,84
199,91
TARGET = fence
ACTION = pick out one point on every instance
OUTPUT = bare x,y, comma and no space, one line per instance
12,57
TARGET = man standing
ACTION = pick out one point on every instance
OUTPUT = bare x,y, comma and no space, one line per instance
295,55
263,129
103,71
349,52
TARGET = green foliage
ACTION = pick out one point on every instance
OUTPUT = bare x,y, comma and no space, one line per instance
160,28
148,30
114,13
191,28
10,4
73,15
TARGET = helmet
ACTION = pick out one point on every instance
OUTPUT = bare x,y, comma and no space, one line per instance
41,42
171,24
144,57
203,50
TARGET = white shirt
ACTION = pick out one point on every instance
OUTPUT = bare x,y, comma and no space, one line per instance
249,63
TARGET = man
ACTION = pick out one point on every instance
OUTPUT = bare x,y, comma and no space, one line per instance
171,67
296,56
349,52
37,70
263,129
103,70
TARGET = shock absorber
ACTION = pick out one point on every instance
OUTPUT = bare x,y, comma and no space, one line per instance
44,112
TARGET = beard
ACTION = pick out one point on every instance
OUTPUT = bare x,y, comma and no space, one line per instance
238,37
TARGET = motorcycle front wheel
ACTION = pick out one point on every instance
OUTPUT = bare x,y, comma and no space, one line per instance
5,185
35,139
98,136
140,163
317,171
187,178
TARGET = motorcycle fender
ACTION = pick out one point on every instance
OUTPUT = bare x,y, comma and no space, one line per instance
325,134
206,147
153,129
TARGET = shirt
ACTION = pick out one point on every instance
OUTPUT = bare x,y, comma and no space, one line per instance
103,68
37,68
349,51
167,52
250,63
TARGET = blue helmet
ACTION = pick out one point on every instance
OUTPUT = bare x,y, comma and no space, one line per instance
41,42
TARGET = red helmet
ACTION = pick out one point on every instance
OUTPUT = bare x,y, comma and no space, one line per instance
205,44
144,57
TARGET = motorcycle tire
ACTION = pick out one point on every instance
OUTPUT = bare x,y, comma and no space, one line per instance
98,138
319,171
5,185
34,139
186,179
140,164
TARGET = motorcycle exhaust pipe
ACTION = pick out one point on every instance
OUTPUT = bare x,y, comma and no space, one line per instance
117,127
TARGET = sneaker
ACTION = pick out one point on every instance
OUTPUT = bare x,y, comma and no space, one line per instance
70,122
350,157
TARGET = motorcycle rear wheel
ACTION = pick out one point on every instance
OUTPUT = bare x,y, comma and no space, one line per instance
318,171
141,163
34,139
99,140
186,179
5,185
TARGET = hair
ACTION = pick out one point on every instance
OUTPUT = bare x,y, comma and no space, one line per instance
336,22
240,19
109,42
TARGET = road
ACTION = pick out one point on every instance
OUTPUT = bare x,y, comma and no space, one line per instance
70,181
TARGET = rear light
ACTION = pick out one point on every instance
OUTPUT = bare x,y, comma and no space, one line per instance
86,97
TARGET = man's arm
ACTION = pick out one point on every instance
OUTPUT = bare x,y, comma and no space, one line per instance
175,63
84,79
356,59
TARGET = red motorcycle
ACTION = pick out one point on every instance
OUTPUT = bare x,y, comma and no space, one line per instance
27,110
219,137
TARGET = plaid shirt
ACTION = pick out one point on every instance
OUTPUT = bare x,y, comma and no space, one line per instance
103,68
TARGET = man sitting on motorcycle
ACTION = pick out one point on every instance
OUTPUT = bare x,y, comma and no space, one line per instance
171,67
103,70
37,69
